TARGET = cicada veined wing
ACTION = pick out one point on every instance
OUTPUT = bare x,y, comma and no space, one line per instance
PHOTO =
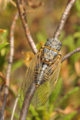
44,91
29,77
44,71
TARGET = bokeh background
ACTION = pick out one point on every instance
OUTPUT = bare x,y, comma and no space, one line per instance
64,103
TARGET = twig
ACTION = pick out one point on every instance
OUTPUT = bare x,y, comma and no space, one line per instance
15,106
9,66
63,18
2,76
27,100
3,83
22,14
1,88
70,54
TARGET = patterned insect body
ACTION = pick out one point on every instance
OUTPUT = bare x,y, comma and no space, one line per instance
44,71
49,51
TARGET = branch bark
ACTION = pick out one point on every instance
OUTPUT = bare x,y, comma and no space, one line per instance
63,18
70,54
22,13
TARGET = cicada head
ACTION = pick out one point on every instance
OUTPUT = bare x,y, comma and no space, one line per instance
51,50
54,44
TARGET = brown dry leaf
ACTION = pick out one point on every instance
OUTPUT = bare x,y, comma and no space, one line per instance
69,109
2,30
42,43
77,68
72,78
28,56
35,5
7,114
78,117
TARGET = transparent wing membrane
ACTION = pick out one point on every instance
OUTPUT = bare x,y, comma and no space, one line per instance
44,91
49,79
29,77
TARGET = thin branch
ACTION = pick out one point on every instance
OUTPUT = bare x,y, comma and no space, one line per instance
1,88
70,54
2,76
22,14
27,100
3,83
15,106
63,18
9,66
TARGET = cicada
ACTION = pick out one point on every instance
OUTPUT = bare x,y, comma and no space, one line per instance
44,70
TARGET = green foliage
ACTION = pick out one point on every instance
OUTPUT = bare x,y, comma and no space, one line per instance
3,50
66,96
78,7
72,42
16,65
3,45
41,39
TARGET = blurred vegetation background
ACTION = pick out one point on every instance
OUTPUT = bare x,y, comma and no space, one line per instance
64,103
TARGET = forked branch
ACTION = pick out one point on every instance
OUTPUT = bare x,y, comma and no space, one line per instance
31,90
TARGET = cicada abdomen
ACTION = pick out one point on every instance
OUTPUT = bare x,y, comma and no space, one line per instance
44,71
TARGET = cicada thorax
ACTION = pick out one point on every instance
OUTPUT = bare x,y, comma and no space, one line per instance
48,58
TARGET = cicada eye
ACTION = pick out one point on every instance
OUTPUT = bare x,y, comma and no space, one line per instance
60,44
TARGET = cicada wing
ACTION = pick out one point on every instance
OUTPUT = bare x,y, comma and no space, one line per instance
44,91
29,77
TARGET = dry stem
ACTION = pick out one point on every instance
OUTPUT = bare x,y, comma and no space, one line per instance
22,14
63,18
9,66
